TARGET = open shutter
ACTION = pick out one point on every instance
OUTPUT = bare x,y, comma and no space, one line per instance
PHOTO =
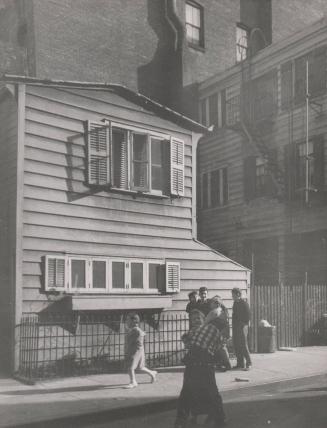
286,85
173,279
98,153
317,72
249,177
55,273
319,164
290,160
176,167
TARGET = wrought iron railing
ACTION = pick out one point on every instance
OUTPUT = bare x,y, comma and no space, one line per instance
80,344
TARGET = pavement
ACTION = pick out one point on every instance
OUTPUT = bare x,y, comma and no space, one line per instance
57,402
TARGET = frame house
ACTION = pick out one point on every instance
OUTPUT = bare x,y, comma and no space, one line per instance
98,211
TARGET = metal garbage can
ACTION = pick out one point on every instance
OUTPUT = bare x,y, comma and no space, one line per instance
324,329
266,339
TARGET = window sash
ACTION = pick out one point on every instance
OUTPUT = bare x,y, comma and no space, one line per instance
194,23
214,188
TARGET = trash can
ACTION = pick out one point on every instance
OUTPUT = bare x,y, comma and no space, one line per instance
324,329
266,339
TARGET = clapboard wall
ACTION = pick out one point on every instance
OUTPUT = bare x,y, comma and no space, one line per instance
62,215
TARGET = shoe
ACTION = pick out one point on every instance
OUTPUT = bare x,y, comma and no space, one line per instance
238,368
154,376
247,368
131,385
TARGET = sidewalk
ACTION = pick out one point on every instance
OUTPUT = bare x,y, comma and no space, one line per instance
71,397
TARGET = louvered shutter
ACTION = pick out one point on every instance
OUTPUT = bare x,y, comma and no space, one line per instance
98,153
290,161
286,85
249,177
319,164
317,72
55,273
173,277
176,167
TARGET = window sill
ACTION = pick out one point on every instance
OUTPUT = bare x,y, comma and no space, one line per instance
133,193
196,47
124,301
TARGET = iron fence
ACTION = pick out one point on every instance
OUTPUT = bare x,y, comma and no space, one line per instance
81,344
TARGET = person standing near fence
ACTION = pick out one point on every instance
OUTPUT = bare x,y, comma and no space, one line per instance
134,350
240,328
203,304
199,394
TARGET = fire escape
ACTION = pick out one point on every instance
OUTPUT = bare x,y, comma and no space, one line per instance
252,113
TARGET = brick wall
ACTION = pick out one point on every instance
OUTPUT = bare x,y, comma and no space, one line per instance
290,16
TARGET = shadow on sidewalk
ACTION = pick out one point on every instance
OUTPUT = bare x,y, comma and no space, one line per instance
65,390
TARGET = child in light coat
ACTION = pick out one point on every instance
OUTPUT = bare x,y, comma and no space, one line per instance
134,351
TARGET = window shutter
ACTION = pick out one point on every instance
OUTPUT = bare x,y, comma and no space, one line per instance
319,164
98,153
55,273
176,167
300,79
290,157
317,71
172,277
286,85
249,177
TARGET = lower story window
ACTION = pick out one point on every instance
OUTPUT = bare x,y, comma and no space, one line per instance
106,275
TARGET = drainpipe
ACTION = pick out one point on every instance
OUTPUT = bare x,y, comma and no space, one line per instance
171,9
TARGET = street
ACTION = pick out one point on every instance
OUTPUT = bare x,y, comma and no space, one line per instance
294,404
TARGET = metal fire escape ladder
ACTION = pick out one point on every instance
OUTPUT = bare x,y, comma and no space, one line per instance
251,132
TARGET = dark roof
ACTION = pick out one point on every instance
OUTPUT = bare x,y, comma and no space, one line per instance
121,90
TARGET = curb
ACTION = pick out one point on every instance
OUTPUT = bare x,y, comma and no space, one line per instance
157,406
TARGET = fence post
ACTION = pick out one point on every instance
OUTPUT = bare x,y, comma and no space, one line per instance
304,307
281,315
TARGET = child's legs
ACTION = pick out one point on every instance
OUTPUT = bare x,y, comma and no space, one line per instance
147,371
131,373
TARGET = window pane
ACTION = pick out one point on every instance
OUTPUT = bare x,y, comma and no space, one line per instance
140,161
156,164
139,147
154,276
118,275
78,279
196,18
136,275
188,13
120,158
99,274
215,188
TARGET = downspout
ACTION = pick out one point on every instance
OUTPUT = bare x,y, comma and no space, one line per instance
171,9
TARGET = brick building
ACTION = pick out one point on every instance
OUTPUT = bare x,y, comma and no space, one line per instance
161,48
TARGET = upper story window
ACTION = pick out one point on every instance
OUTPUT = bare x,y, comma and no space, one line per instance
194,24
294,77
259,175
242,42
132,159
214,188
210,113
83,274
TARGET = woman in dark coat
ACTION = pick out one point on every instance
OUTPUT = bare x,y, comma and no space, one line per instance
199,393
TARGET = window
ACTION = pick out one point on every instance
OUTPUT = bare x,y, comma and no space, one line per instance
259,176
213,110
214,189
105,275
194,24
134,160
242,42
295,169
294,77
260,100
